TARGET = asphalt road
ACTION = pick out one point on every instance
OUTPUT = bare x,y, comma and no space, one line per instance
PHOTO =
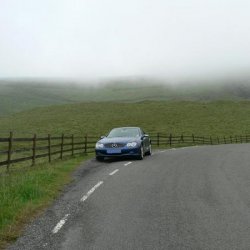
188,198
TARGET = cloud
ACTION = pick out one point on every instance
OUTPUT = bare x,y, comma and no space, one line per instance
102,38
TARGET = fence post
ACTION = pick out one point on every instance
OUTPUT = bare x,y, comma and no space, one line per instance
72,145
49,147
211,140
218,140
170,140
182,138
34,151
85,144
240,138
62,146
9,150
236,140
158,139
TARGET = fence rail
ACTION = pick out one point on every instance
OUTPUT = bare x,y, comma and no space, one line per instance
21,149
173,140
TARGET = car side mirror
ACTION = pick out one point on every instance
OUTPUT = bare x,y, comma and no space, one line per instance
103,136
144,136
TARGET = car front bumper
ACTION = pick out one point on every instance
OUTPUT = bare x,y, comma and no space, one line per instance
109,152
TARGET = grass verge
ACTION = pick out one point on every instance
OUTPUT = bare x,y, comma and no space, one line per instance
27,192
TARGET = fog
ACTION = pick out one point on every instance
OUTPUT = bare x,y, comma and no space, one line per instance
100,39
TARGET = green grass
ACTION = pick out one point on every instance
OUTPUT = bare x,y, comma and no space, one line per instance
199,118
27,191
17,95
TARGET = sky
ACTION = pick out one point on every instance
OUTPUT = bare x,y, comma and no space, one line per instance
174,39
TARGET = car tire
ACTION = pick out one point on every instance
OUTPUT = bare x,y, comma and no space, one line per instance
99,158
149,152
141,156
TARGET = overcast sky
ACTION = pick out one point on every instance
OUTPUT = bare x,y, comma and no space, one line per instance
102,38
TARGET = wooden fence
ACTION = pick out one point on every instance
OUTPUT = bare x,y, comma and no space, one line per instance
170,140
18,149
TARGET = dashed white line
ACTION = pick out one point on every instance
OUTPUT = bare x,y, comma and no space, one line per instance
115,171
85,197
60,224
126,164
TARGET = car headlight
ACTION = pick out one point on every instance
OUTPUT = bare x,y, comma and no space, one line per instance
99,145
131,144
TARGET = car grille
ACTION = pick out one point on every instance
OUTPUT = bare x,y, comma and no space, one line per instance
114,145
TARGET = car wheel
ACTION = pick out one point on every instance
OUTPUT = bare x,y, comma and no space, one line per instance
149,152
99,158
142,154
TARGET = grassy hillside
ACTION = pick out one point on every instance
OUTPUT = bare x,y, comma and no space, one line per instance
17,96
212,118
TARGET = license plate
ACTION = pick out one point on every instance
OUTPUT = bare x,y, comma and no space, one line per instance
114,151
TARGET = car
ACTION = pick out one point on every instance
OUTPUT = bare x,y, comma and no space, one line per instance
124,141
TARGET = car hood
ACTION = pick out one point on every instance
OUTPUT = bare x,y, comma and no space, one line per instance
119,140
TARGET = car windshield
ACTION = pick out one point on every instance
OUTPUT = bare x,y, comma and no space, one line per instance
124,132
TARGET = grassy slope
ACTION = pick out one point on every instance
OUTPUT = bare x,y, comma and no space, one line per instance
15,97
212,118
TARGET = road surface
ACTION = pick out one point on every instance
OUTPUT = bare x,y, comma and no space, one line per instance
187,198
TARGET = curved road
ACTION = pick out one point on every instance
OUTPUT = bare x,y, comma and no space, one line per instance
188,198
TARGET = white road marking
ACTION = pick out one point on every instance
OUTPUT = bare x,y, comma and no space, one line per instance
115,171
162,151
92,190
60,224
126,164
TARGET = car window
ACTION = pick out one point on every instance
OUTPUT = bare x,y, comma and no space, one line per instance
124,132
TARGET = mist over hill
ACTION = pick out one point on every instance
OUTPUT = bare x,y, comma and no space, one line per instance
18,95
